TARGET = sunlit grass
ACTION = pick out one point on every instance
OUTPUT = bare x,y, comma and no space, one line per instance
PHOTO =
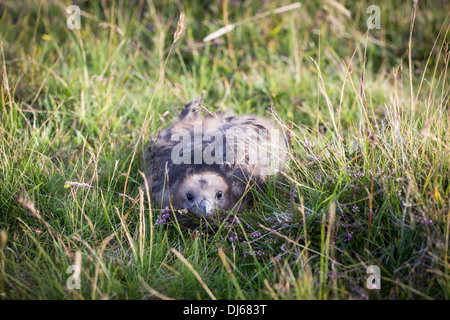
368,176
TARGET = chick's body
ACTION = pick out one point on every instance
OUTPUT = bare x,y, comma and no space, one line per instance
207,163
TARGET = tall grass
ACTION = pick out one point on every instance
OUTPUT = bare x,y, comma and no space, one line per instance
366,113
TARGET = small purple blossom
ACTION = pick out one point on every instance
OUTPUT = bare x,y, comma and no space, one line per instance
233,238
257,253
256,234
196,234
165,213
318,177
229,223
425,221
359,174
348,237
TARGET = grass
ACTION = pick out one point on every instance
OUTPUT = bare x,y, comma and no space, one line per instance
366,113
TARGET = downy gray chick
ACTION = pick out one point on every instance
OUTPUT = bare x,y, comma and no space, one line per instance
208,163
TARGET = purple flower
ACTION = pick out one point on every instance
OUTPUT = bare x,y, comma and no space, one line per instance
256,234
196,233
233,238
229,223
425,221
165,214
318,176
348,237
257,253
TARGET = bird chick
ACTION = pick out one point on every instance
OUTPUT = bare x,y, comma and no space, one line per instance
208,163
203,193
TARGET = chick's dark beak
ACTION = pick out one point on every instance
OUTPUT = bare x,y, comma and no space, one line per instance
206,207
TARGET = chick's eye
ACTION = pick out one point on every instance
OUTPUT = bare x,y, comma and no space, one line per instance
219,194
190,197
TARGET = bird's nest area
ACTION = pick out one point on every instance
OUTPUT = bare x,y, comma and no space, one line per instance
189,221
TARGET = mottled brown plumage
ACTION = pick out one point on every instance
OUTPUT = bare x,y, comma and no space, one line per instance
208,163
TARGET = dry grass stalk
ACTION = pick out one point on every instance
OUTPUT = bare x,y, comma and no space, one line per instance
194,272
231,26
